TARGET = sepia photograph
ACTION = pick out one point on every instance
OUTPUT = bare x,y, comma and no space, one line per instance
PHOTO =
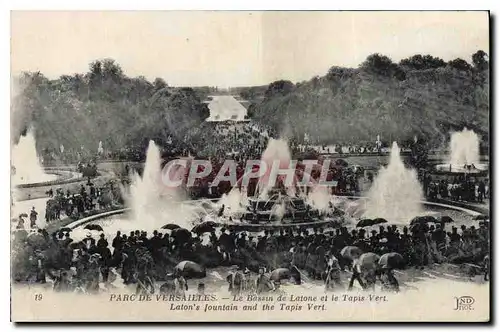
250,166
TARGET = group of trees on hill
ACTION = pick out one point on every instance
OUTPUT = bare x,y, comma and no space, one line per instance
103,105
420,96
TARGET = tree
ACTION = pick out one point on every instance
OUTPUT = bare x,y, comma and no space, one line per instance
480,60
104,104
377,64
95,74
419,62
460,64
399,73
140,88
419,154
354,105
112,70
338,73
381,65
159,83
251,111
280,87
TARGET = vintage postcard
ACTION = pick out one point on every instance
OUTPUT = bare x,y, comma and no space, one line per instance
176,166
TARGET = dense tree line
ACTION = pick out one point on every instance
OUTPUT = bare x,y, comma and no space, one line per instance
420,96
103,105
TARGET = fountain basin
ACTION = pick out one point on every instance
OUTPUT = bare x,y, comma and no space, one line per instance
118,220
53,177
451,169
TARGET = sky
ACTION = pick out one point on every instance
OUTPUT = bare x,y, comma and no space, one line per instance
235,48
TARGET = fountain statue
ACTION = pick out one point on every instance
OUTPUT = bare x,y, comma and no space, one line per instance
100,149
396,194
283,200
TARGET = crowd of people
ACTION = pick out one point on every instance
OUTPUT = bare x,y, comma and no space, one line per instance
139,258
460,188
72,204
346,148
214,140
348,180
241,141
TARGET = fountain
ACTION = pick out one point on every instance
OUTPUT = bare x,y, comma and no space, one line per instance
281,202
396,193
26,164
154,204
277,150
464,154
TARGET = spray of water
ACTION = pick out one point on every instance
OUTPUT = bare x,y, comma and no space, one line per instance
319,198
464,148
277,150
234,202
154,204
26,162
396,193
278,210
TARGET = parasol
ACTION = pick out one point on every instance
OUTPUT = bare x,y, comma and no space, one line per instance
379,221
170,226
204,227
351,252
36,239
391,260
446,219
181,234
189,269
423,220
365,223
94,227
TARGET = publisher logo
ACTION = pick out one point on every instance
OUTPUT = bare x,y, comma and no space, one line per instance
464,303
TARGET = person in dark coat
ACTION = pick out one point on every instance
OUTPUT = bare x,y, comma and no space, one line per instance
117,241
241,241
33,217
225,243
102,242
261,244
